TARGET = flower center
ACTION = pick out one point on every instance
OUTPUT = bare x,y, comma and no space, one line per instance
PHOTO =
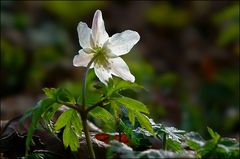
101,57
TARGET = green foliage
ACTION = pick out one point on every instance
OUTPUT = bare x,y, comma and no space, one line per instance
144,122
229,20
60,95
104,119
132,104
135,109
37,112
138,137
171,137
46,108
216,147
109,107
71,122
70,138
194,140
115,86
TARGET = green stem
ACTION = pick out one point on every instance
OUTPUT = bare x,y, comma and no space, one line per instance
87,135
83,112
84,81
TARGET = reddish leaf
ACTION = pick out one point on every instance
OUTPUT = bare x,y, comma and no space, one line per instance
107,137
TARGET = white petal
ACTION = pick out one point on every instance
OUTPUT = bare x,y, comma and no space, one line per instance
84,34
119,68
99,34
82,59
102,73
122,43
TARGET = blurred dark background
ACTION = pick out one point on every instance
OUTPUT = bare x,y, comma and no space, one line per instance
187,58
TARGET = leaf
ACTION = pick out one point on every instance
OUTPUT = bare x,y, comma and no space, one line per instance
121,85
131,116
39,109
134,139
64,119
92,98
115,108
60,94
207,149
63,95
194,140
171,132
50,92
174,134
229,142
144,122
141,137
104,118
213,134
173,145
132,104
70,138
73,127
76,123
48,115
229,148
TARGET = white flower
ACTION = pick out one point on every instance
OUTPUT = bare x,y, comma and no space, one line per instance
96,43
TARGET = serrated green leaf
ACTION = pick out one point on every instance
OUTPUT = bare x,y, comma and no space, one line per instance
132,104
174,134
121,85
48,115
70,138
173,145
131,116
171,132
207,149
91,99
213,134
103,118
63,95
50,111
230,142
39,109
64,119
144,122
76,123
50,92
194,140
115,108
73,127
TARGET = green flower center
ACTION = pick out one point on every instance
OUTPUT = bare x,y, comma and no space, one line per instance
101,57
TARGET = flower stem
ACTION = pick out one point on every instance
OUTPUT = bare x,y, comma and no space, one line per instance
84,81
87,135
83,112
